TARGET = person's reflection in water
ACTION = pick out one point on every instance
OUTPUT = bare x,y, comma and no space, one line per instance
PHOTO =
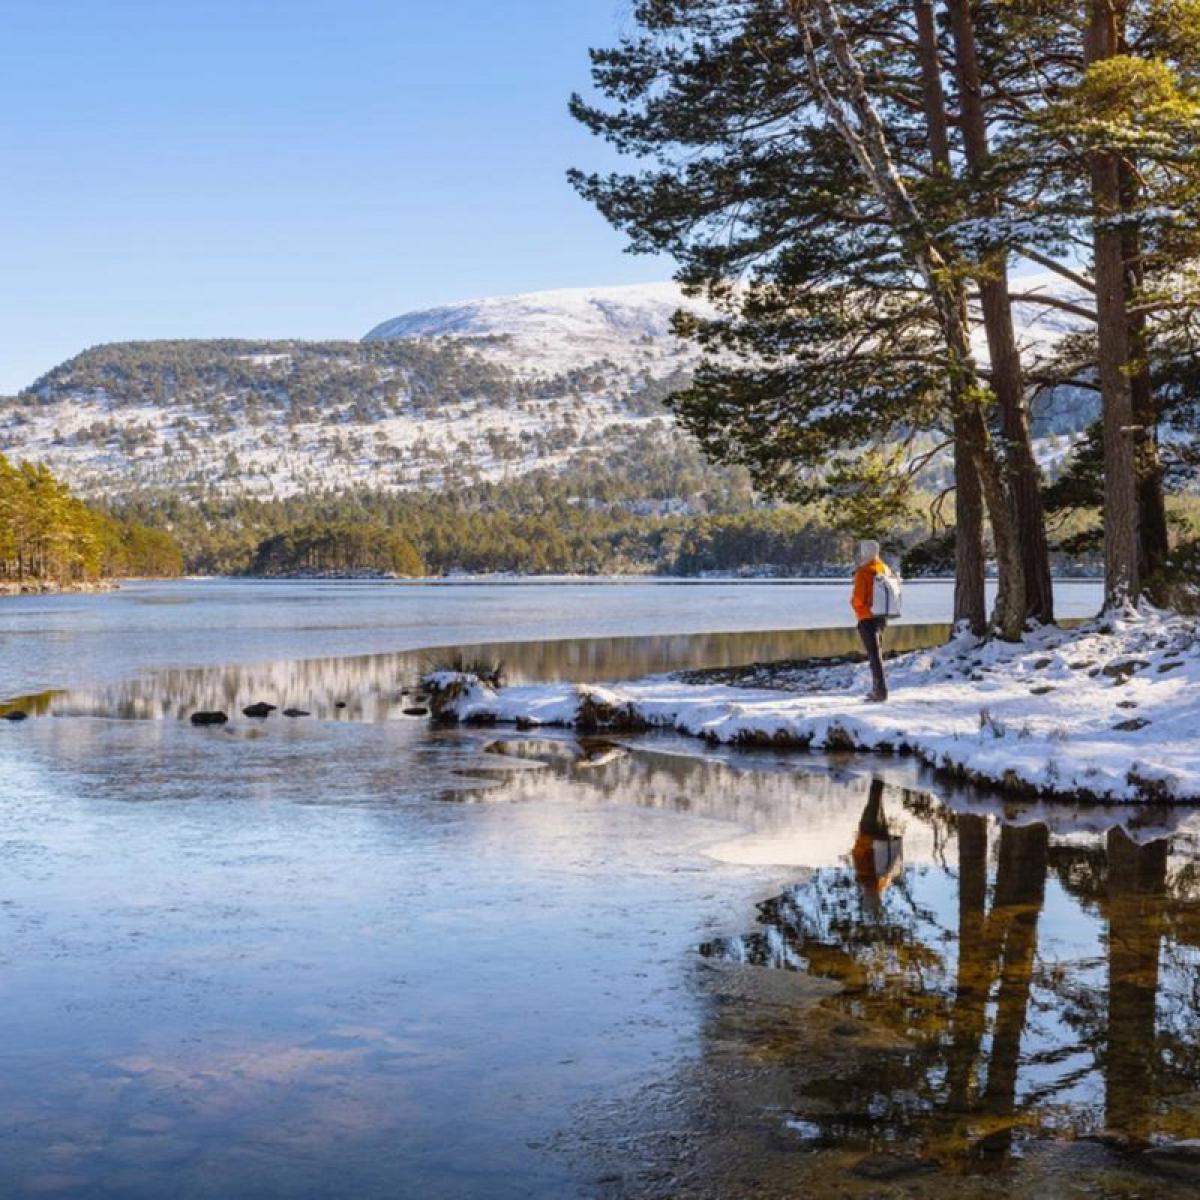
878,855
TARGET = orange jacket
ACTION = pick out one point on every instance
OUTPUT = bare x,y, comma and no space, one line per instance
864,588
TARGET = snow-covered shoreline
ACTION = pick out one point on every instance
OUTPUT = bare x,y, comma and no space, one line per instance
1106,711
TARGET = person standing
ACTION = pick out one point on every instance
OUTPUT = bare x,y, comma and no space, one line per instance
871,623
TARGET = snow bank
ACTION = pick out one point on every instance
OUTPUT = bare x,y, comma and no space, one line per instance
1108,711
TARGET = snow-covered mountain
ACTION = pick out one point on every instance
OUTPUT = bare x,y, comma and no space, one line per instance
485,389
561,330
479,391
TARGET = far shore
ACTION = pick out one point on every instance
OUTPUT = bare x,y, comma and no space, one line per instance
45,587
51,587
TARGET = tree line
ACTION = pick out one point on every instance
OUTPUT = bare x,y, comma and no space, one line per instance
855,184
589,523
47,534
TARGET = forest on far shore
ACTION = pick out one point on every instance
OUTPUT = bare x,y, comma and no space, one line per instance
543,524
47,534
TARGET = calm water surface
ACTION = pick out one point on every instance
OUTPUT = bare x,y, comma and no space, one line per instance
360,957
69,641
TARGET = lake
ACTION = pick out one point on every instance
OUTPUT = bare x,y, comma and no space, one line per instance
353,955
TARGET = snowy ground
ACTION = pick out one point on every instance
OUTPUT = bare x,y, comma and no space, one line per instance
1110,710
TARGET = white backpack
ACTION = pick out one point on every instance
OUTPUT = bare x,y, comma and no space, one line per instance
885,598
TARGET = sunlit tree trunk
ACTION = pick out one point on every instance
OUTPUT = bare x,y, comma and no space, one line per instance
970,605
1007,379
1102,40
1153,533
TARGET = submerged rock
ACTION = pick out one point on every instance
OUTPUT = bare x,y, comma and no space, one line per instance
209,718
417,710
16,714
261,709
296,712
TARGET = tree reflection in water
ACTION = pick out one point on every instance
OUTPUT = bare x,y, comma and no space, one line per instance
1003,978
1028,985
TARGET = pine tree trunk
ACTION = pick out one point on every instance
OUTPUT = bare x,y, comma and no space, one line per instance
1024,476
970,603
1154,537
1121,582
1008,617
1153,533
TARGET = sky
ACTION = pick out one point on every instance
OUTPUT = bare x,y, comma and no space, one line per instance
308,168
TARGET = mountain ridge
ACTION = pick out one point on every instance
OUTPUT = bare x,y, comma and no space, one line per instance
559,328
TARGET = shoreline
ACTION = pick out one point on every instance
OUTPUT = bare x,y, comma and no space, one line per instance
1104,712
47,587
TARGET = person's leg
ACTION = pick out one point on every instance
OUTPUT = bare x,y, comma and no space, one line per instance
869,632
881,624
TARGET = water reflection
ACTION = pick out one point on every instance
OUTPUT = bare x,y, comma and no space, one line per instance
376,687
1002,982
289,971
1033,985
878,855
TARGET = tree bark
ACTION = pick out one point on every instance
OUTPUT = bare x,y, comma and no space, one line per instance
1024,476
970,603
1121,580
1153,533
970,561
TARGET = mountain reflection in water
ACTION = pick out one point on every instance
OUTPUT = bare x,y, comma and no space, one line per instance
1003,980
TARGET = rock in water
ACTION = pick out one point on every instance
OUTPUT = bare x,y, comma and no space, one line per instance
416,711
209,718
296,712
261,709
16,714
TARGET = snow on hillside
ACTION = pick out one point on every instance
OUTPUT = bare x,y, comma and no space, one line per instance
484,389
563,329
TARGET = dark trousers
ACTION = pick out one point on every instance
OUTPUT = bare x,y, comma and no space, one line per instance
871,632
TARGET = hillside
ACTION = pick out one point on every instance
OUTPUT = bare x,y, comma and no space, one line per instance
520,383
463,394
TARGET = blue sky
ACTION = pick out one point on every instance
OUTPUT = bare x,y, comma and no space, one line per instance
180,168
